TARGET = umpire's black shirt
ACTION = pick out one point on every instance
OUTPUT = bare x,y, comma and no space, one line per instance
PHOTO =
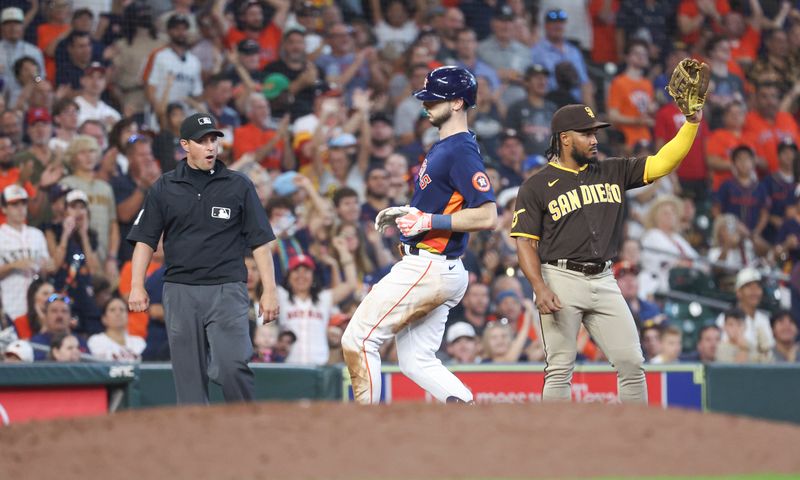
209,220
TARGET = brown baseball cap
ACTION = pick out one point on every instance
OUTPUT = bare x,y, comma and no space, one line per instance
576,117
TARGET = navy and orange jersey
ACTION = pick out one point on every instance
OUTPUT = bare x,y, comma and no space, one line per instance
452,178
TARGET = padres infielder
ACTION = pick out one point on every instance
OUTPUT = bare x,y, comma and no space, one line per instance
453,196
568,223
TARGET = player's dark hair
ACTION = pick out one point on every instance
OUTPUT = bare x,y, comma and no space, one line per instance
554,150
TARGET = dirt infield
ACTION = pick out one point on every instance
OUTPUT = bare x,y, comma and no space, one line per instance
404,441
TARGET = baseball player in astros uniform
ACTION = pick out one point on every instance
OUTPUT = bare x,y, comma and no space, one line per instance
567,225
453,196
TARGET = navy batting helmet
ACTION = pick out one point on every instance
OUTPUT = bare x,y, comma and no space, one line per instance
449,83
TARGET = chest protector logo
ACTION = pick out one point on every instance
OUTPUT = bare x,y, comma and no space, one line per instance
221,213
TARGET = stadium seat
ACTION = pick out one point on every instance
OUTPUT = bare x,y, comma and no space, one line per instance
690,317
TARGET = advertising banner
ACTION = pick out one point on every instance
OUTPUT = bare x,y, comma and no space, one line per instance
21,404
667,386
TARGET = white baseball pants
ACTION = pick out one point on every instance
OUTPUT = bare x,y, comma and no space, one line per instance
411,302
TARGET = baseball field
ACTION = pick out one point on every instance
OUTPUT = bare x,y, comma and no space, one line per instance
403,441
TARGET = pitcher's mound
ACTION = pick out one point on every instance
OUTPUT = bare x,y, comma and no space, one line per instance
405,441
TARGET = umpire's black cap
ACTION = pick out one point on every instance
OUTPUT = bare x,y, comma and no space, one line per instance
576,117
197,125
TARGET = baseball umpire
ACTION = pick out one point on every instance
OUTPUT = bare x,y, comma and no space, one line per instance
209,217
453,196
567,226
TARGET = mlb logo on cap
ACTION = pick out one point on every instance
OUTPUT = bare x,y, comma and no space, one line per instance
197,125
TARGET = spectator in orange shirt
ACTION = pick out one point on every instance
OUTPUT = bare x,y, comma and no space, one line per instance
695,16
744,35
266,143
51,32
766,126
604,26
137,321
255,27
9,172
30,323
630,98
693,171
723,140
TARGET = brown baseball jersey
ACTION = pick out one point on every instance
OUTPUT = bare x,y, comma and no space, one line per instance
577,214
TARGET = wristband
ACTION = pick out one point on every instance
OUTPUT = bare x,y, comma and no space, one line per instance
441,222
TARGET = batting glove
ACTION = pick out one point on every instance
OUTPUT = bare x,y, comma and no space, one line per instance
387,217
414,223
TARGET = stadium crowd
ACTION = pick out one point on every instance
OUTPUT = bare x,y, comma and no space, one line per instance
314,99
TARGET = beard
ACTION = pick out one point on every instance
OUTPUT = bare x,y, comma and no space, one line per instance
582,159
6,165
381,142
439,121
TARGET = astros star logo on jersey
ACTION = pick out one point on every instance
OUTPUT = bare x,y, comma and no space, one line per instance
481,182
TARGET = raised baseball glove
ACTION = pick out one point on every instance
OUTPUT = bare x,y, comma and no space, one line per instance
689,85
387,216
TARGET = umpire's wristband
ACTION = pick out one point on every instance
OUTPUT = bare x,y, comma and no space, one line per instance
441,222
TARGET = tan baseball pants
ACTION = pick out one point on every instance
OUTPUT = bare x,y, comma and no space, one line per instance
596,301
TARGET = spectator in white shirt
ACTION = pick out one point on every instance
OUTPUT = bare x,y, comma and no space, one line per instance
23,252
13,47
173,74
662,244
115,344
757,330
91,107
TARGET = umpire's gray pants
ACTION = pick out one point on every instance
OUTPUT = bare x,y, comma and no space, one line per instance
209,338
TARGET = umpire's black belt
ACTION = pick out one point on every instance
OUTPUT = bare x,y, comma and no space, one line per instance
586,268
406,249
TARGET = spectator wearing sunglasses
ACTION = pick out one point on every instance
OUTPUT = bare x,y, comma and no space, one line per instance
23,251
73,246
57,321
